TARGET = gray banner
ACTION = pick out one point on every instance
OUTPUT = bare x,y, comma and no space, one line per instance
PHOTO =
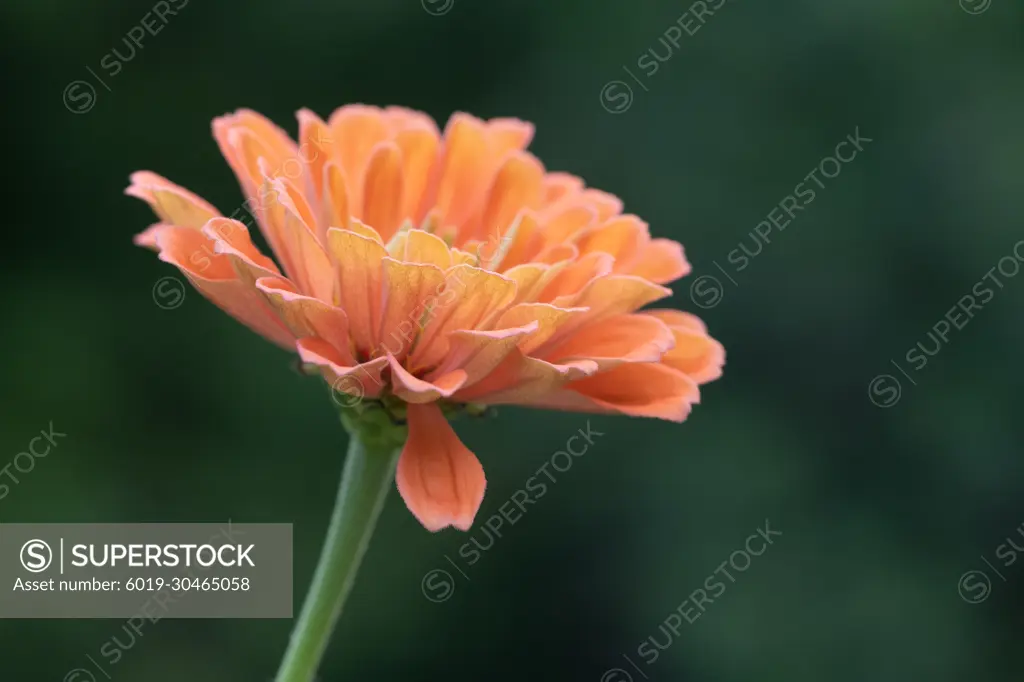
145,570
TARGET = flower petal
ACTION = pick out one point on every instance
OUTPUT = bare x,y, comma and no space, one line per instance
423,247
613,341
382,193
661,261
417,391
471,299
419,155
520,378
306,316
637,390
440,480
518,185
173,204
334,206
695,353
624,237
357,268
478,353
289,221
463,178
216,277
355,381
356,130
547,317
315,148
409,292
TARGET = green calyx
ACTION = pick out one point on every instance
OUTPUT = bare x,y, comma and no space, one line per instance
382,423
379,425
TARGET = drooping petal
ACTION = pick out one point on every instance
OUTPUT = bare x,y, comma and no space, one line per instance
441,481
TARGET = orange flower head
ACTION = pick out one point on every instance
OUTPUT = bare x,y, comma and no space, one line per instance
419,272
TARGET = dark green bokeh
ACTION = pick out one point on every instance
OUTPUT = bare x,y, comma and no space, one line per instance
184,415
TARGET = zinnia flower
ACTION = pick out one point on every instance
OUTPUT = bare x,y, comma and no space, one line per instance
421,272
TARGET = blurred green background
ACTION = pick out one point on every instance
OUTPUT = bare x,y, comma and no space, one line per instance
184,415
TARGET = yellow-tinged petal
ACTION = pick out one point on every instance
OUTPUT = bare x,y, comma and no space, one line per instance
303,257
423,247
306,316
173,204
547,317
410,293
357,267
478,353
471,299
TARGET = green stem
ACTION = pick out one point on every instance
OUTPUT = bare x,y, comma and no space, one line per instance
367,477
